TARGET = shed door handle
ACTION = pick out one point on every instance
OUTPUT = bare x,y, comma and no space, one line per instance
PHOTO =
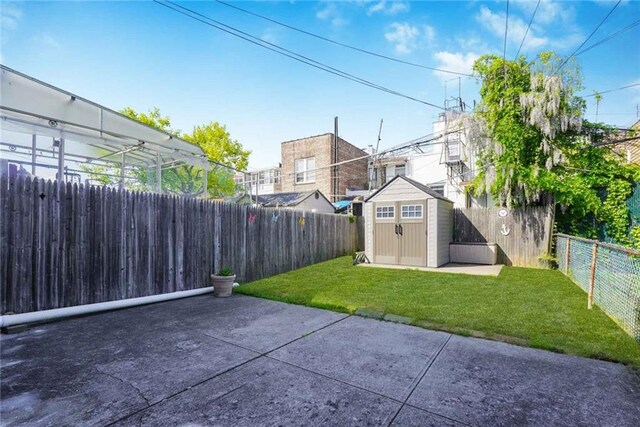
400,228
397,230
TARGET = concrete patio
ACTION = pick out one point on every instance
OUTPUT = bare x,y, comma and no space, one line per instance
247,361
473,269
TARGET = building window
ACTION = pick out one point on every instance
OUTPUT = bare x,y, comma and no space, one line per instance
305,170
400,170
438,188
385,212
411,211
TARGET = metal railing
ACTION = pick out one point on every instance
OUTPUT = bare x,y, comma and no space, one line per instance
609,274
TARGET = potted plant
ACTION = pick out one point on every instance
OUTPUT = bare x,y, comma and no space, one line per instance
548,261
223,282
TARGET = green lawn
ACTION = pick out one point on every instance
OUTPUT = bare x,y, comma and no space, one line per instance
536,308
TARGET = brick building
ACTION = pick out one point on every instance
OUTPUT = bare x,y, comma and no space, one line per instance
305,164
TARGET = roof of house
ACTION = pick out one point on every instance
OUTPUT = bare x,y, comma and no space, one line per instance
287,199
424,188
307,137
323,134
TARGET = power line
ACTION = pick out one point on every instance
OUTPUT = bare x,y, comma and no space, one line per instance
289,53
609,37
423,141
285,52
527,31
348,46
614,90
587,39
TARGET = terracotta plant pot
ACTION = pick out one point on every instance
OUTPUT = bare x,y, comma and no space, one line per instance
222,285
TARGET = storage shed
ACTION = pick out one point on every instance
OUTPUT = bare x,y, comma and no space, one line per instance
408,223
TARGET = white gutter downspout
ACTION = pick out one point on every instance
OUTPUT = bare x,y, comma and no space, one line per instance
57,313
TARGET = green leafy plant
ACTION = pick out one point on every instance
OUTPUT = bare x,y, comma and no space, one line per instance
225,271
215,141
352,218
547,257
534,148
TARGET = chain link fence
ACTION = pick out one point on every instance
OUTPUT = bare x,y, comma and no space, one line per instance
609,274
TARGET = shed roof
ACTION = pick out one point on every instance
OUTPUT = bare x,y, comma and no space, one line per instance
287,199
424,188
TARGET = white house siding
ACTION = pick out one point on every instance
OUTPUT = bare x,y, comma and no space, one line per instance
426,168
320,205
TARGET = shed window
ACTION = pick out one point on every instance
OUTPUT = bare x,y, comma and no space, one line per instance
305,170
411,211
385,212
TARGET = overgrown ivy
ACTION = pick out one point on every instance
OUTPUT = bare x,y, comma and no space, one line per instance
534,148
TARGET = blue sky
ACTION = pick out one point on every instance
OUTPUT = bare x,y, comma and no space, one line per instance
142,55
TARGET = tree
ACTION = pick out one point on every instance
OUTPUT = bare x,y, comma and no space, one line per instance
534,148
215,141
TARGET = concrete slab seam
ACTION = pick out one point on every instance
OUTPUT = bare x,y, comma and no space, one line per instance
182,391
259,355
334,379
253,350
306,335
420,377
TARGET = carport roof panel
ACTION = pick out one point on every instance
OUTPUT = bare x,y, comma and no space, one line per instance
31,105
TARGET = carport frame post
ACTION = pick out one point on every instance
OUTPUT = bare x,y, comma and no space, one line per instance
158,173
61,175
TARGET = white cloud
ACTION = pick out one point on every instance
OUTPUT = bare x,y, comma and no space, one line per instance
331,13
10,16
495,23
458,62
47,41
389,7
406,37
548,12
473,43
270,36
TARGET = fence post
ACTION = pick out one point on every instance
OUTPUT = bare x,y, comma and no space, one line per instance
566,256
592,279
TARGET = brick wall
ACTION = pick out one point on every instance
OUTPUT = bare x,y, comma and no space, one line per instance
351,175
315,146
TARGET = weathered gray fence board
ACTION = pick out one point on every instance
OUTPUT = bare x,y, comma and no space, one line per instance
527,239
67,245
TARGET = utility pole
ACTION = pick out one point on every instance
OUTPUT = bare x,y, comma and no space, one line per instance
374,171
336,182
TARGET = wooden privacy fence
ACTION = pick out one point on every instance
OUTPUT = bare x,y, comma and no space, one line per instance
609,274
522,236
68,245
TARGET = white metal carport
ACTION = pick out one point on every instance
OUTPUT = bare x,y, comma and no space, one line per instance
45,127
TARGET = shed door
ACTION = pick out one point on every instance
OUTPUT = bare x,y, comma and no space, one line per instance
412,229
385,239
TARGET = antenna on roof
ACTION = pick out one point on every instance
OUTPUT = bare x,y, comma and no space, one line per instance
373,170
